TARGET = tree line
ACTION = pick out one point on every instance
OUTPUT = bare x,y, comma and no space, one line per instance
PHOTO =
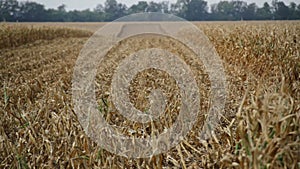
192,10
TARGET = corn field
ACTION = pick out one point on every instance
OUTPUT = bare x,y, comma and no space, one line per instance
260,127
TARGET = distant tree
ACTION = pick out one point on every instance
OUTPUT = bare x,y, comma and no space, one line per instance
165,6
249,12
196,10
53,15
176,8
85,16
141,6
154,7
214,8
99,8
62,8
179,8
225,10
298,11
274,5
293,11
9,10
214,13
75,16
61,13
190,9
114,10
233,10
264,13
99,13
238,9
88,16
32,12
282,11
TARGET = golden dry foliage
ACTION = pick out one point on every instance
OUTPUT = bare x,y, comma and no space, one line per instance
17,35
260,128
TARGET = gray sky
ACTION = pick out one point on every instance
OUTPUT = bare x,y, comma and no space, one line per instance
85,4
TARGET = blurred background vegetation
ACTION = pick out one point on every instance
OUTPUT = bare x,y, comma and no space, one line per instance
192,10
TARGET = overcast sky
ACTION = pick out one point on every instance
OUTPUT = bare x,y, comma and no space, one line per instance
91,4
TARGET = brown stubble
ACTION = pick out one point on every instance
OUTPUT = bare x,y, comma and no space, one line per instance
260,128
